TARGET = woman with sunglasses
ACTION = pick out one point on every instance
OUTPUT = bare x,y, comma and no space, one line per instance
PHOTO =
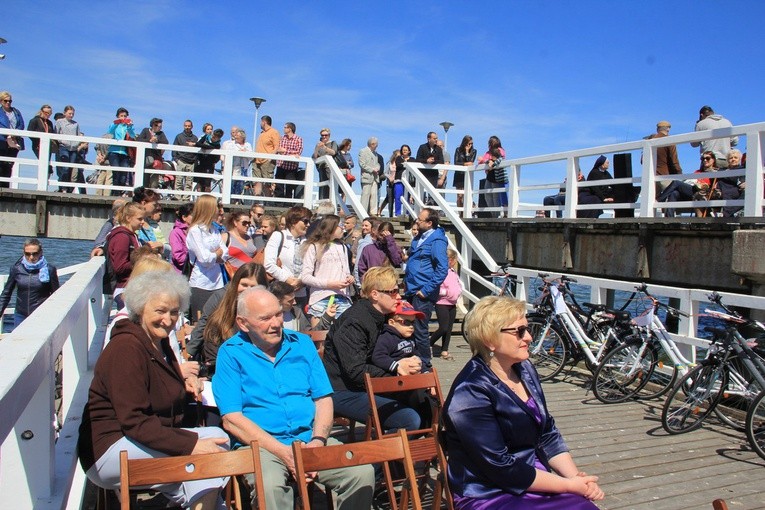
34,279
706,188
241,246
504,449
464,155
283,258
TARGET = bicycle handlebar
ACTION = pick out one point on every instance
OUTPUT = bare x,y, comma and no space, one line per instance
674,312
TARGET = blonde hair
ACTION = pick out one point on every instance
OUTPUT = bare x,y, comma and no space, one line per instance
146,264
127,211
452,255
205,210
488,316
378,278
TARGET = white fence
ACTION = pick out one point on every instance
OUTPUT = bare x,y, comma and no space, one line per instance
525,176
36,469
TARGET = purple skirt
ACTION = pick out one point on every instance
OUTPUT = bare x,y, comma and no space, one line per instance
527,501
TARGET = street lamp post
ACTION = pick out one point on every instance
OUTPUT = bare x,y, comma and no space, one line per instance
2,41
446,125
258,101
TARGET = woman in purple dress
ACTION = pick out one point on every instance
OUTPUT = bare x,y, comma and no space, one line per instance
504,449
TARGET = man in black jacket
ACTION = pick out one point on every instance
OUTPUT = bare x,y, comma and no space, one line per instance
348,353
430,153
153,158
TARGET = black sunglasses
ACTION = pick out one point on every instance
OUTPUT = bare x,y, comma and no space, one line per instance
520,331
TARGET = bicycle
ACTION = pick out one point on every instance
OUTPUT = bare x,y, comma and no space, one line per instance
700,391
563,331
755,425
636,368
506,289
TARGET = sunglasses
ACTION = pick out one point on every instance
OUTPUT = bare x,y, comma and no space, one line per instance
31,253
520,331
405,322
707,158
307,221
246,223
391,292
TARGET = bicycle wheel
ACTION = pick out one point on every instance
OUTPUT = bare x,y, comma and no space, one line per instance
755,425
662,377
623,372
693,398
739,393
548,350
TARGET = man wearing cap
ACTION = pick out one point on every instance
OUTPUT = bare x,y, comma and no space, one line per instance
708,119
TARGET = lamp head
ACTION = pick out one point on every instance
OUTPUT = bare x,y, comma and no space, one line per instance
258,101
446,126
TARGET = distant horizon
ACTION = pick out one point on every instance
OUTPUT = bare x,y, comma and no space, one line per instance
544,76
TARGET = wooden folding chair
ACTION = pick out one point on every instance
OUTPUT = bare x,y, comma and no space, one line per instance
388,449
719,504
183,468
318,338
425,449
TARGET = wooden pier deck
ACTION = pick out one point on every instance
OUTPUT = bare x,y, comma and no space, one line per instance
641,466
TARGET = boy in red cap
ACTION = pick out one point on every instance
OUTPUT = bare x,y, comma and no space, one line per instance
395,341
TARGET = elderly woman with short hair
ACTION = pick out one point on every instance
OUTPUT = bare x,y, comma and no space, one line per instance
504,449
138,393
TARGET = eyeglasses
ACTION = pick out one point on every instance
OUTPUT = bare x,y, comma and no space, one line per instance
520,331
405,322
390,292
31,254
707,158
307,221
323,135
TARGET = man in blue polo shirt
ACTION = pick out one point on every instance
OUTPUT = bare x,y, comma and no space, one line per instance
270,385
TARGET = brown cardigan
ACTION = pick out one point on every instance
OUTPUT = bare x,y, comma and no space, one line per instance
134,393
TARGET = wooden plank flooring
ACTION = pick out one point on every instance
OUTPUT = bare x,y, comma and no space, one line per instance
640,466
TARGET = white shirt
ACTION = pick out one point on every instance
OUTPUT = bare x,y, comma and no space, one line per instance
202,244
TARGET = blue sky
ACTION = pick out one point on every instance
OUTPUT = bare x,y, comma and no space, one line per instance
545,76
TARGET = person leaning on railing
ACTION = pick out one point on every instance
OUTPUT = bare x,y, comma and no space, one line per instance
138,394
10,146
504,448
34,280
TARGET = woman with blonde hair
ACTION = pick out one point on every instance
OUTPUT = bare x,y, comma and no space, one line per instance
120,243
326,269
207,250
504,448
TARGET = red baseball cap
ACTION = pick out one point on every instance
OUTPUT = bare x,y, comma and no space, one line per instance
404,308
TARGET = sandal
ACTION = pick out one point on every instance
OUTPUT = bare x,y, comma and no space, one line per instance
446,356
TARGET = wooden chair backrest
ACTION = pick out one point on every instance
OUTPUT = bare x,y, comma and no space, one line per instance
383,385
391,448
182,468
719,504
318,338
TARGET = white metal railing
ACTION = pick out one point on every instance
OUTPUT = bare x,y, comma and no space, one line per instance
222,180
36,469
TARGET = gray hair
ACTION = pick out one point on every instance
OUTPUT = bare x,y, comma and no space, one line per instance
241,300
142,288
324,207
33,241
735,152
371,140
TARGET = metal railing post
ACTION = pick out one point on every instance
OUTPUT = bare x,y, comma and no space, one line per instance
513,195
753,201
647,182
572,187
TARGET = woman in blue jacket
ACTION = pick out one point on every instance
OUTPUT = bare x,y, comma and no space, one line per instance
505,451
34,280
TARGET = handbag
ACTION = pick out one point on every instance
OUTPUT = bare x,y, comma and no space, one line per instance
260,258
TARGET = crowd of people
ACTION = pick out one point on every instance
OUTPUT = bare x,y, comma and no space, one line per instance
372,170
211,333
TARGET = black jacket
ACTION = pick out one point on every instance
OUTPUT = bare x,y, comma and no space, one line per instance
38,124
30,291
349,346
423,153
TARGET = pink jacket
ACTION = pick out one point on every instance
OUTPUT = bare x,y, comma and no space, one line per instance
451,289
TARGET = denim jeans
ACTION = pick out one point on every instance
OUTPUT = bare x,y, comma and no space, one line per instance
318,308
64,173
120,178
421,334
394,415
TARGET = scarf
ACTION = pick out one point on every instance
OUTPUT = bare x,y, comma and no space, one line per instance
41,265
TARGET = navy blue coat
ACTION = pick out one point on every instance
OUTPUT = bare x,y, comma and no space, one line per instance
30,291
492,438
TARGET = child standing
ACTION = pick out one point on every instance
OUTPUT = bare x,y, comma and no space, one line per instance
446,306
